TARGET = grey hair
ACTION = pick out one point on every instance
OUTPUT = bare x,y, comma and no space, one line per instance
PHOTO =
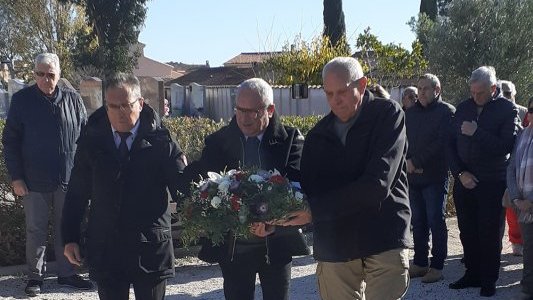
435,82
50,59
411,89
348,67
123,80
507,86
484,74
261,87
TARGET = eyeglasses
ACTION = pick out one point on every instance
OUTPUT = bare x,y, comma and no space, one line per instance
530,110
254,113
123,107
50,76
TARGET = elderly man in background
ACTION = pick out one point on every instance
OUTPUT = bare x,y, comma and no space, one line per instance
355,174
409,97
43,124
509,91
428,123
483,133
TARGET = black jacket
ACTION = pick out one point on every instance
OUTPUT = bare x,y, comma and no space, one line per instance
129,217
40,137
280,148
486,153
358,191
427,134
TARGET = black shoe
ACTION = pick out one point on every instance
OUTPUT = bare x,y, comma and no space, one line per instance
487,290
464,283
75,281
33,287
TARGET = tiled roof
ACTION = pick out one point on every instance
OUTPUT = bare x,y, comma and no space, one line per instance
250,58
215,76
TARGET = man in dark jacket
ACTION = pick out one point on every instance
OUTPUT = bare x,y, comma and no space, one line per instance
124,164
354,172
484,130
254,137
428,123
39,140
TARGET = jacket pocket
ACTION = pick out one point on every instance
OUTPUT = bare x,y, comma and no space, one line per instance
156,250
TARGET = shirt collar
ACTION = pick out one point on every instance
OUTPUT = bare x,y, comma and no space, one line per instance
259,136
133,130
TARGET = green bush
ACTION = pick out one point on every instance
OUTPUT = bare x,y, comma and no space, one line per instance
191,132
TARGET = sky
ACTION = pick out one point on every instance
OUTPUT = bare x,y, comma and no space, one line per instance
192,32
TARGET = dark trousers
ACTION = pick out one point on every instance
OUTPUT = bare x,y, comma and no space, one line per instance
144,288
428,208
239,276
527,277
481,220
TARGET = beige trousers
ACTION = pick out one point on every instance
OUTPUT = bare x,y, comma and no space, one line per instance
383,276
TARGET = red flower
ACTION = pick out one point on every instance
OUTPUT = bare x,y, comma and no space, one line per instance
239,176
235,205
204,195
277,179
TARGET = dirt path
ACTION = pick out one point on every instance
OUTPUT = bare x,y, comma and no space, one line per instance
199,281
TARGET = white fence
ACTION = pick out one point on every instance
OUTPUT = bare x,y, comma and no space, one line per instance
217,102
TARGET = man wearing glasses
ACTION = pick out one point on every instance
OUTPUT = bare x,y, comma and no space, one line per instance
125,163
255,137
43,124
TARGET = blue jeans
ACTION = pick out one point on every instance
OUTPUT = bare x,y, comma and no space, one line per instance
428,208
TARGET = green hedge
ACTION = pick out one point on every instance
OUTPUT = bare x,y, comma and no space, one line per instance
190,133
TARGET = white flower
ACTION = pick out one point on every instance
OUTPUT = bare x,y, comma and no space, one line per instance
275,172
256,178
203,185
215,202
299,196
224,186
215,177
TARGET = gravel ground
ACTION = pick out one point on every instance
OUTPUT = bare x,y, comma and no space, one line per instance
197,280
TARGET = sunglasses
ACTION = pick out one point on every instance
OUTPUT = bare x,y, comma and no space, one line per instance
40,74
530,110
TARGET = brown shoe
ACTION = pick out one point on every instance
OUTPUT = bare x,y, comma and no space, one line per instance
417,271
433,275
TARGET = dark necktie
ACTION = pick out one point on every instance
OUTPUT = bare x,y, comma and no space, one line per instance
123,150
251,152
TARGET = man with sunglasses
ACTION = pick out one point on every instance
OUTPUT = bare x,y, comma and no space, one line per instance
124,165
42,126
255,137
